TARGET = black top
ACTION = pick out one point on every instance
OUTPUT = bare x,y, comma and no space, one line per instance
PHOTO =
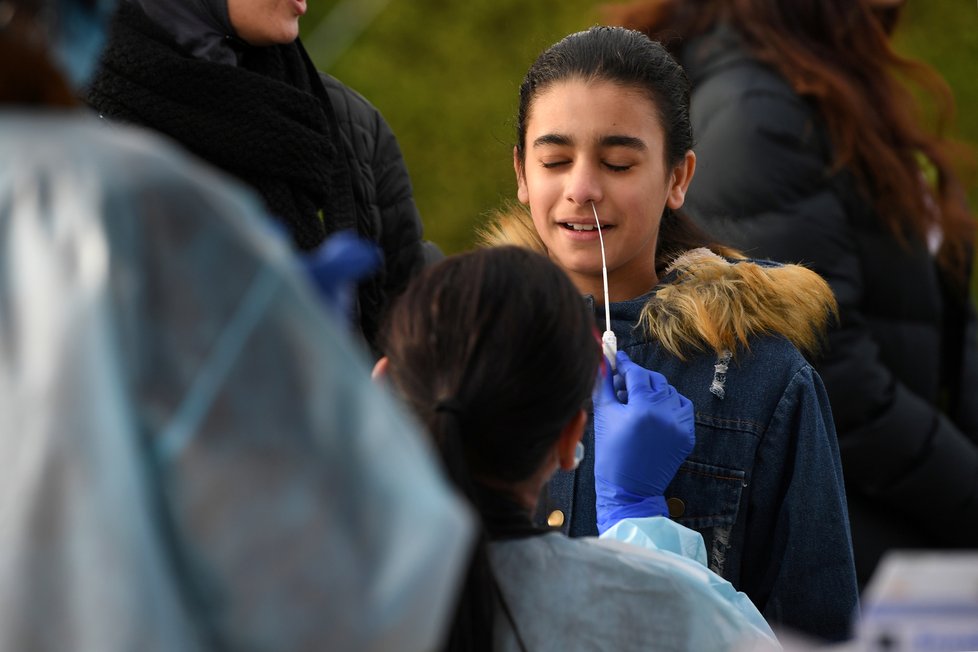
902,365
320,155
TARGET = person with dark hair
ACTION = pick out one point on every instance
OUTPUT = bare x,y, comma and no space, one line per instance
496,354
603,159
811,150
230,81
190,441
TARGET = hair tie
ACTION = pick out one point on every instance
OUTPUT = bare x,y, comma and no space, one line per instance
451,406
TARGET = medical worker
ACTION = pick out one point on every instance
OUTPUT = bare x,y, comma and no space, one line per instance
190,442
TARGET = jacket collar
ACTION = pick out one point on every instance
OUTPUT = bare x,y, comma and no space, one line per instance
705,301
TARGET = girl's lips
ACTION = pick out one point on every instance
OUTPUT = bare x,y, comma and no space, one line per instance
584,226
584,235
300,7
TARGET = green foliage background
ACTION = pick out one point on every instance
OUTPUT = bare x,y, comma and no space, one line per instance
445,74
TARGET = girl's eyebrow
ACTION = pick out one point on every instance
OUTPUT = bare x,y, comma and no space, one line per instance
613,140
553,139
630,142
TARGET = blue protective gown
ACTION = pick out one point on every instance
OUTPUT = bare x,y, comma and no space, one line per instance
195,457
643,585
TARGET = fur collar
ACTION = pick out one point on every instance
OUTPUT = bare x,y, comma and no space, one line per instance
710,302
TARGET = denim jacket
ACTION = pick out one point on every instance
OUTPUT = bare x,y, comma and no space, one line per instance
763,484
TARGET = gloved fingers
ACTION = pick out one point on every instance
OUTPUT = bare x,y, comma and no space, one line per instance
649,386
344,257
634,375
604,391
631,374
619,382
658,382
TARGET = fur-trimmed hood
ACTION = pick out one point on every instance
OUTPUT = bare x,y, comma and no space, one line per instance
709,301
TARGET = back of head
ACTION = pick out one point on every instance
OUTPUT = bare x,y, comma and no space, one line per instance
494,351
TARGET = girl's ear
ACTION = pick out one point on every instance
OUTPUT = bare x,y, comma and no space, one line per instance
380,370
567,442
521,191
682,174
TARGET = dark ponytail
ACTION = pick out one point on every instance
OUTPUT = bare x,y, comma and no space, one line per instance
495,352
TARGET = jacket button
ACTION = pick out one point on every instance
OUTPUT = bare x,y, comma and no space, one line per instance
676,507
556,518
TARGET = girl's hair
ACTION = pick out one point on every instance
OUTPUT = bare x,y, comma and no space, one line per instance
837,53
496,352
630,59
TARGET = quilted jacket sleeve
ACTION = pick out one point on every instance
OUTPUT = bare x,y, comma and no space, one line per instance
762,186
387,213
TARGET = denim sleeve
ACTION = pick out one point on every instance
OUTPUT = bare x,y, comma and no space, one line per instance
812,587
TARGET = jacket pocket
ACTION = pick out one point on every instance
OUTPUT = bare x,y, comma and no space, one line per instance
705,496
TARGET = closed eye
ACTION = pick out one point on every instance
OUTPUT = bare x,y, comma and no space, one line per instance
618,168
553,164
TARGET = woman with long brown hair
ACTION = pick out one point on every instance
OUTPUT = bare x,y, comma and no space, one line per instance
811,150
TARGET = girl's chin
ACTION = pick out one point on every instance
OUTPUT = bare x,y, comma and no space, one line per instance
582,269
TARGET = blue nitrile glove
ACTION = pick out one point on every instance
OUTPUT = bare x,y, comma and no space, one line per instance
336,266
642,433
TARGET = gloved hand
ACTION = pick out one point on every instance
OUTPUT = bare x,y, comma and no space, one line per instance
336,266
642,433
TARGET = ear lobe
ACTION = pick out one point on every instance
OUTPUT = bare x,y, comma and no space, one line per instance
521,190
679,181
379,372
570,435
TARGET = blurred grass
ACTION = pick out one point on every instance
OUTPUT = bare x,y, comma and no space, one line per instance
445,74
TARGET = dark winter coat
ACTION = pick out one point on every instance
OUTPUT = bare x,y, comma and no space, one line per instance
321,156
902,365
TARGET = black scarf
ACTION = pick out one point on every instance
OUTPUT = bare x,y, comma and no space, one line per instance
202,28
267,121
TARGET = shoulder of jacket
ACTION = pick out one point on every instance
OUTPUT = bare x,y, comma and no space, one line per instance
711,302
348,104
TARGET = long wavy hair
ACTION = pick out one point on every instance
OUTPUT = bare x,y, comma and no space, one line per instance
495,352
837,53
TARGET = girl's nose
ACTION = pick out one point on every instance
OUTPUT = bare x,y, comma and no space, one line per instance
583,184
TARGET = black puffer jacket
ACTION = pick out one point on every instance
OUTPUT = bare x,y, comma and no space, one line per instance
321,156
383,197
902,366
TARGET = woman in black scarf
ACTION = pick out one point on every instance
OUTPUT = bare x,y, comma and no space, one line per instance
230,80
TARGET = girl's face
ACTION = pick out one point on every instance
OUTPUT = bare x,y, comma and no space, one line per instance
599,142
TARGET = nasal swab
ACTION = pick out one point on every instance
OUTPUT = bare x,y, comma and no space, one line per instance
608,340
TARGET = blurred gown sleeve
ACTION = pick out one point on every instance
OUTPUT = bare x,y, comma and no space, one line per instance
201,457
